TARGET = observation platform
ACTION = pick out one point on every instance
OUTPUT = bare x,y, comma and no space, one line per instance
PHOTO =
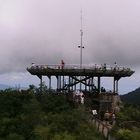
89,76
75,70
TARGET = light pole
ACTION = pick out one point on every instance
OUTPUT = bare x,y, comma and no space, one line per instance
81,48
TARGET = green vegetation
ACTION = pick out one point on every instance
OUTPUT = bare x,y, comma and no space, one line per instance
128,120
128,123
30,116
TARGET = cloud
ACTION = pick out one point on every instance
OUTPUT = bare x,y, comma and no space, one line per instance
47,31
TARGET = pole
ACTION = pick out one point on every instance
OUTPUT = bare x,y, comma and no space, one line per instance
40,83
117,86
114,85
81,47
99,84
49,83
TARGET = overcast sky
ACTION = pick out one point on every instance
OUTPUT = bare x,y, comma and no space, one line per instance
46,31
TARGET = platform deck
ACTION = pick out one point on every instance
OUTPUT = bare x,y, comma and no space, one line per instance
55,70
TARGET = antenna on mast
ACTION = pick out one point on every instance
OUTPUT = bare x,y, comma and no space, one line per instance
81,40
81,45
81,30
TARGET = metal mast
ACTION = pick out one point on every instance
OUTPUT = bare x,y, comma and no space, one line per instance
81,46
81,41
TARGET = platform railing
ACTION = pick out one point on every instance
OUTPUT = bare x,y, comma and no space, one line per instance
103,128
76,66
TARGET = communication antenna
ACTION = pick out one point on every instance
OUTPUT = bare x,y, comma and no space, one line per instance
81,45
81,40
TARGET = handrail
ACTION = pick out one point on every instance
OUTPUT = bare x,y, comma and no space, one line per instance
103,128
76,66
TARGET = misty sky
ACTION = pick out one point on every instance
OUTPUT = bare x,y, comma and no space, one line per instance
46,31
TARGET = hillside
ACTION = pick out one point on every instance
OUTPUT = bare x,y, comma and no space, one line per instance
30,116
132,97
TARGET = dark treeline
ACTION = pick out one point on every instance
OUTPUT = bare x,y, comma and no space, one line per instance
132,97
31,116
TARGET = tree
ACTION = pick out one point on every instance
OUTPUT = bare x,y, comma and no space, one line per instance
42,88
124,134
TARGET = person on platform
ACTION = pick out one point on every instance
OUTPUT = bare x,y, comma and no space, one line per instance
62,64
32,65
116,66
104,67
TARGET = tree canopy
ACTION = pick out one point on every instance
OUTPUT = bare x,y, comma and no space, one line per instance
31,116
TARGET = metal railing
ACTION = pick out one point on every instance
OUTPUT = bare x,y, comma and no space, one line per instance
76,66
103,128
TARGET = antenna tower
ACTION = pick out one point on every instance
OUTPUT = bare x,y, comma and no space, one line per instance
81,46
81,41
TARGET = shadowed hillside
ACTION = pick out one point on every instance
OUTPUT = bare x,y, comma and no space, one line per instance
132,97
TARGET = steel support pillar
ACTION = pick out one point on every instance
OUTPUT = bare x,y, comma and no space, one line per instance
117,86
92,83
75,84
63,82
69,84
60,82
80,83
49,82
40,83
114,86
85,85
72,83
57,82
99,84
